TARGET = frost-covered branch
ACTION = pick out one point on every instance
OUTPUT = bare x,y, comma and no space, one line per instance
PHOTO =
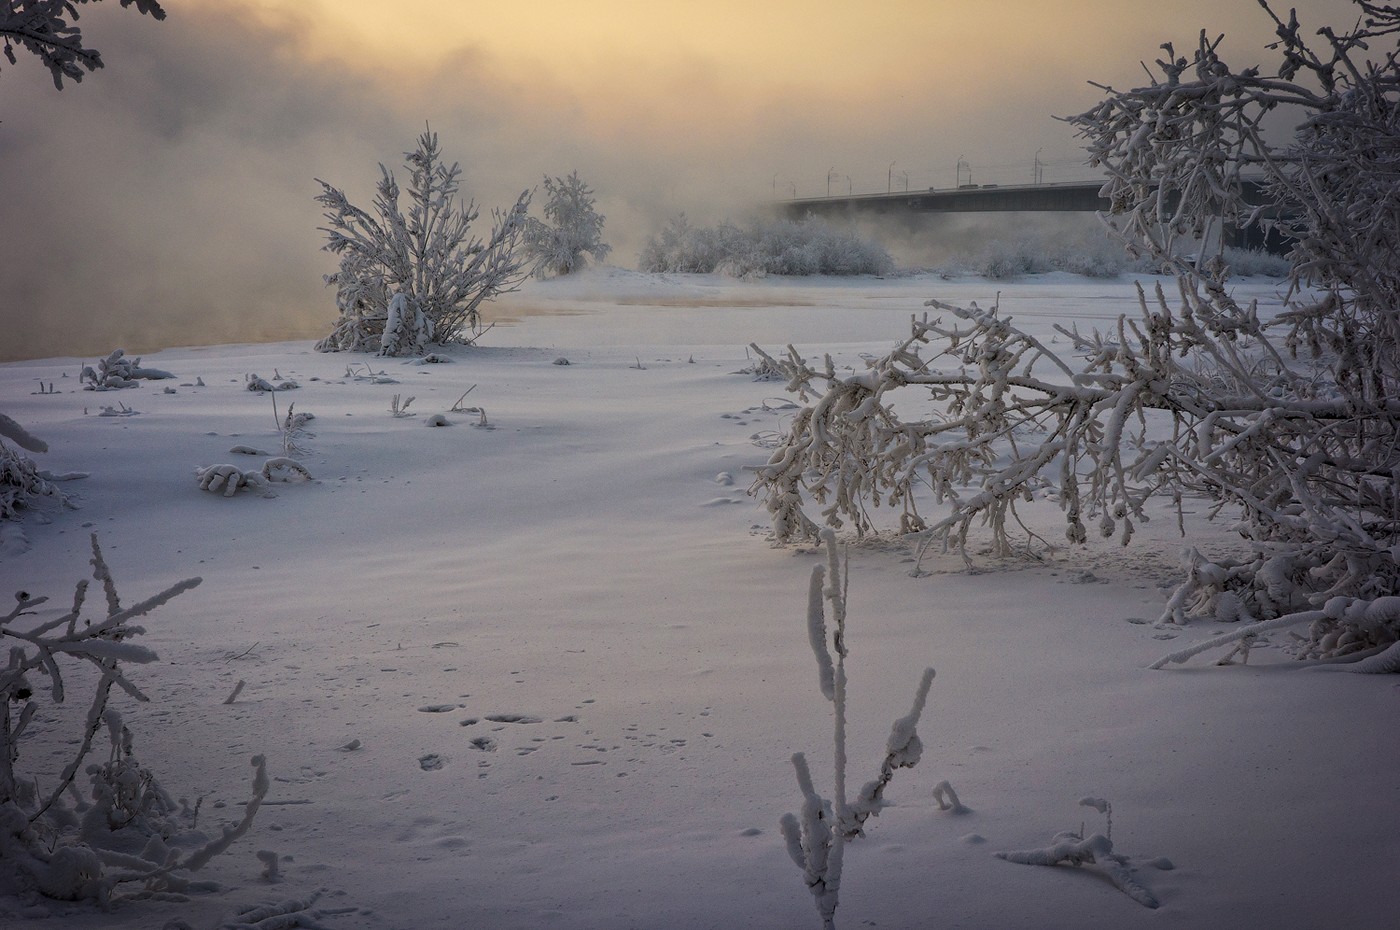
48,29
1290,419
84,852
1095,851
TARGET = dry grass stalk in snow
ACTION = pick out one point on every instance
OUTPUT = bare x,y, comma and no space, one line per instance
1293,422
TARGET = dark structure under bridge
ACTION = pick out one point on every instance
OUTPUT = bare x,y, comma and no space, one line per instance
1067,197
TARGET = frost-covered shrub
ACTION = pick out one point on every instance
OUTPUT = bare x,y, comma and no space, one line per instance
1251,262
779,247
228,480
118,371
128,837
1291,422
426,255
21,481
572,228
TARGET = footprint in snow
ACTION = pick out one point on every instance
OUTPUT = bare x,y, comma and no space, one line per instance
430,762
512,718
484,743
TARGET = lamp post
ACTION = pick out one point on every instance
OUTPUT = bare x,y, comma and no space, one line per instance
962,163
1039,168
889,179
830,173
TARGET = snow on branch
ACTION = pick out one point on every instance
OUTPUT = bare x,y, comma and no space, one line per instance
1290,420
48,29
84,852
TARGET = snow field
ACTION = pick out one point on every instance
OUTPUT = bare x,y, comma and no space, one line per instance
579,574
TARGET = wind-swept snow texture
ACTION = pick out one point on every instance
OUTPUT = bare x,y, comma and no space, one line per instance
534,676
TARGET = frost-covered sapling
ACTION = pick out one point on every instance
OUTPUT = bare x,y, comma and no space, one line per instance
572,228
816,839
410,277
128,833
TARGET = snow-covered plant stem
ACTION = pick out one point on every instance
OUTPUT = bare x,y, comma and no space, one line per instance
44,845
817,838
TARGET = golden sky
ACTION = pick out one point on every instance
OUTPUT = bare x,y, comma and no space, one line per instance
173,188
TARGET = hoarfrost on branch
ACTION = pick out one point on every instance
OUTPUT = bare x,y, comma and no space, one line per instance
1289,421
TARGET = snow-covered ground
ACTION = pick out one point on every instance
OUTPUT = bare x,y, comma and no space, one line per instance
575,669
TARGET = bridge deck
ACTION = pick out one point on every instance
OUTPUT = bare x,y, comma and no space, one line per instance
1075,197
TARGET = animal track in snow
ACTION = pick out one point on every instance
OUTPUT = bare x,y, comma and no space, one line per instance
430,762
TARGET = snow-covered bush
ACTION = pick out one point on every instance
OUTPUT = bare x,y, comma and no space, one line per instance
572,227
39,26
228,480
118,371
21,481
766,246
128,833
816,839
427,256
1293,422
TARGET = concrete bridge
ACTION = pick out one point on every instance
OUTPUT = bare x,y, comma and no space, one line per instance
1065,197
1071,197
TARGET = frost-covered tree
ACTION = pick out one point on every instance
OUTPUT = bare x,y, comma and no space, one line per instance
1290,421
49,29
572,227
427,256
